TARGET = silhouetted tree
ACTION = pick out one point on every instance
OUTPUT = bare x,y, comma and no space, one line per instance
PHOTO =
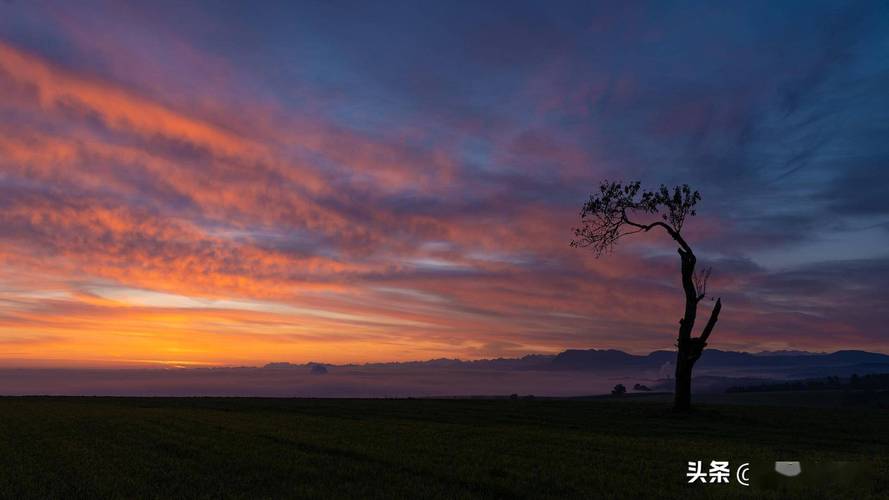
619,210
619,390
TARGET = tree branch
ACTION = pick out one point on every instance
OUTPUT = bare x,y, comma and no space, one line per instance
672,232
714,316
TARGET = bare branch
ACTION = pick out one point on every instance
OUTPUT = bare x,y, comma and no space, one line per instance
714,316
700,280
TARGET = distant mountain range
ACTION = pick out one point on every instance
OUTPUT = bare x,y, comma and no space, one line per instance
571,373
791,363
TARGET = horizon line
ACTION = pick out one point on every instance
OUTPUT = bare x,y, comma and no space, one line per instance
185,365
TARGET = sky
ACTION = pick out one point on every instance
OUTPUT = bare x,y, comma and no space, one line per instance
223,183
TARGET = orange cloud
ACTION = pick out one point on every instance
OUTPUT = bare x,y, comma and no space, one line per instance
140,230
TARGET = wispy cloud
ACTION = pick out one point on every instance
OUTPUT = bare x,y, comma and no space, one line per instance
226,189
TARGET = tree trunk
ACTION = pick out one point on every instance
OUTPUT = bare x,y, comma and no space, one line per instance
682,395
688,348
685,355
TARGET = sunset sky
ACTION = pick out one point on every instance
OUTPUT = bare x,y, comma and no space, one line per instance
236,183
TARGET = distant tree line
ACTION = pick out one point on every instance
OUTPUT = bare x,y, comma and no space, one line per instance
875,381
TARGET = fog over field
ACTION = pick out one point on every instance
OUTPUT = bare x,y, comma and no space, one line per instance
570,373
347,382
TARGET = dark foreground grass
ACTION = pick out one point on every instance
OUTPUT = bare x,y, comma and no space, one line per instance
255,448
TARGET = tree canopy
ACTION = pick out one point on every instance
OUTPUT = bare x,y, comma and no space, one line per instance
614,212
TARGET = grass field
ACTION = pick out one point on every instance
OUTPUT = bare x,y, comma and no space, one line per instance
255,448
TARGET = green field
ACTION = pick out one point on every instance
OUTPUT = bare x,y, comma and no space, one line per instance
255,448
